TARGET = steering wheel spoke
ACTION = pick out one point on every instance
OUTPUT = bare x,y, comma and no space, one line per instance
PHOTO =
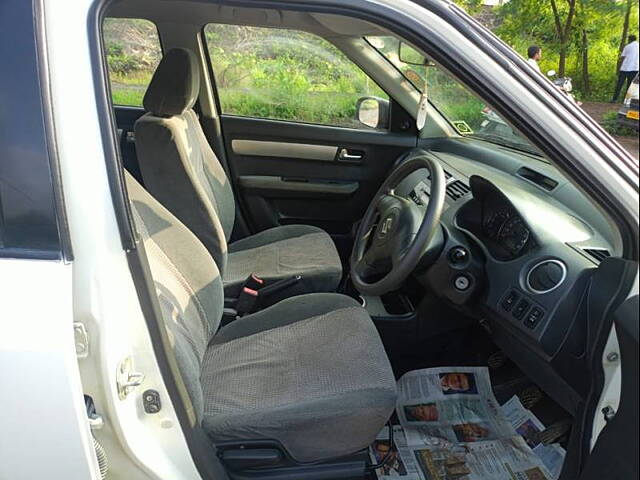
370,263
400,248
394,232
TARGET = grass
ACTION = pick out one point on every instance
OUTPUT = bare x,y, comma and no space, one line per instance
611,125
313,107
127,96
139,78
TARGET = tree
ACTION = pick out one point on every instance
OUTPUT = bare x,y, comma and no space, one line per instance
625,31
471,6
563,30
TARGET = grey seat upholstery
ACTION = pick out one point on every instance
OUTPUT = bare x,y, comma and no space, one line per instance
180,169
309,372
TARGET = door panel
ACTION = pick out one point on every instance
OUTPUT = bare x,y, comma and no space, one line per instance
615,455
302,173
263,148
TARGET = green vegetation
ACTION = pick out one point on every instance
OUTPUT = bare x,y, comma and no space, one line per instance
610,124
298,76
133,52
285,75
579,38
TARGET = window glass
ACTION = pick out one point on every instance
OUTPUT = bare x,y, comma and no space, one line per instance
466,112
133,52
286,75
29,225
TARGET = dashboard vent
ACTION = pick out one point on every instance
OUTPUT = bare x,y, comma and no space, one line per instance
598,254
546,276
457,190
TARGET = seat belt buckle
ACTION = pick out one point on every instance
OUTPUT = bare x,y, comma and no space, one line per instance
254,282
247,301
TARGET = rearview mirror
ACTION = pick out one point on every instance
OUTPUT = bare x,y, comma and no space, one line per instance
408,54
373,112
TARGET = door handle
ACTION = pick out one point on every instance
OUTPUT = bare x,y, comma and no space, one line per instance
347,156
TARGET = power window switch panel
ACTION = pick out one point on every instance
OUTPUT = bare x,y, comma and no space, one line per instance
510,300
521,309
534,317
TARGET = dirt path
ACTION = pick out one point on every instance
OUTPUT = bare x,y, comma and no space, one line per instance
598,110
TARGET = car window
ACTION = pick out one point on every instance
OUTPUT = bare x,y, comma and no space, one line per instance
466,112
132,47
286,75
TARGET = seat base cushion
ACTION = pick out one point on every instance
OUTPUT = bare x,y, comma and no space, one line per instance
283,252
312,377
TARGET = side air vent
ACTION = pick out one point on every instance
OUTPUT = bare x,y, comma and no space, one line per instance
457,190
546,276
598,254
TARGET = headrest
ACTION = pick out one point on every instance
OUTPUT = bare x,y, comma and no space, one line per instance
175,84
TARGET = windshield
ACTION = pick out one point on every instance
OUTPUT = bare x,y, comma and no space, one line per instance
466,112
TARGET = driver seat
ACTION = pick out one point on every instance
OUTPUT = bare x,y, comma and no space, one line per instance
308,374
180,169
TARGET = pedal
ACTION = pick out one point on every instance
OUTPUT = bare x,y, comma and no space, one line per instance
553,432
496,360
530,396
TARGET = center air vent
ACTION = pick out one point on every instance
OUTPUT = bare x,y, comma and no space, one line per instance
457,190
546,276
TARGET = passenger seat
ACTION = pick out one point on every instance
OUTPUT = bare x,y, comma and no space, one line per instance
180,169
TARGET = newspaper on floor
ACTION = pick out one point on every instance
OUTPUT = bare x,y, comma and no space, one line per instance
452,403
526,423
455,429
395,466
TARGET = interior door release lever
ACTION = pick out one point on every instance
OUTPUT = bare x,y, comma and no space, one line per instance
350,156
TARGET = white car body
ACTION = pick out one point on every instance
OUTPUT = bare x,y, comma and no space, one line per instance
46,361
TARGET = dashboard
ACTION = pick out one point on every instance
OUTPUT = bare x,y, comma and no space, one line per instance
513,256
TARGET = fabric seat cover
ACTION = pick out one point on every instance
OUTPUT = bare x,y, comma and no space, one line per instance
180,169
309,372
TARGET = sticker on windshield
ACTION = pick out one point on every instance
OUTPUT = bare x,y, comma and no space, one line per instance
462,127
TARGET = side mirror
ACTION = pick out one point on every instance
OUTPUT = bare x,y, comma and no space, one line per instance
551,73
373,112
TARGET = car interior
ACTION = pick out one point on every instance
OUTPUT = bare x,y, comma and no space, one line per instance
303,265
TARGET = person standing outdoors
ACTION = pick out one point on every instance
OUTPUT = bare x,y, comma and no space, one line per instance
628,67
534,53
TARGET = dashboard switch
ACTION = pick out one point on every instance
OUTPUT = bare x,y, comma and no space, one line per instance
535,315
458,255
510,300
521,309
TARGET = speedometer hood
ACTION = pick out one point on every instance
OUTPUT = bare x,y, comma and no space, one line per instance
548,219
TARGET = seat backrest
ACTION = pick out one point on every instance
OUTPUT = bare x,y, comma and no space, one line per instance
187,281
177,163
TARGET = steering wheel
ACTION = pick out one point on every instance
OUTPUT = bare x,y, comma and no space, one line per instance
395,232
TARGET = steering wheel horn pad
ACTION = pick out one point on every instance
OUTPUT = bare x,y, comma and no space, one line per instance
394,231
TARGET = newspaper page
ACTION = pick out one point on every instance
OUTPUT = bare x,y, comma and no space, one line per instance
525,424
456,404
504,459
395,467
454,429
